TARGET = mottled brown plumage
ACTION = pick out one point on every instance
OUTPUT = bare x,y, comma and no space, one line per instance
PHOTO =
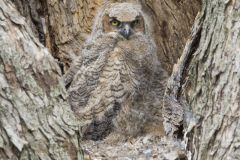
117,83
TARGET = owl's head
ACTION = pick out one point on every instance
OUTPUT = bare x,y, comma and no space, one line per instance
124,19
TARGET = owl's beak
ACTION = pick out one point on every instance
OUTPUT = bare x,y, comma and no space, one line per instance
125,30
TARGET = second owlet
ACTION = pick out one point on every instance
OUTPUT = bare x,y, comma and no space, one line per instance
117,83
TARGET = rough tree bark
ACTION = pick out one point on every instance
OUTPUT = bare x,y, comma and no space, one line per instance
36,122
207,77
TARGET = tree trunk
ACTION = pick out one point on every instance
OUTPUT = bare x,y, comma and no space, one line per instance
173,20
207,77
36,122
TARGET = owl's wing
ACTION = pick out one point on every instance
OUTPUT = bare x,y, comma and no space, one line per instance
84,82
88,55
88,98
159,81
84,75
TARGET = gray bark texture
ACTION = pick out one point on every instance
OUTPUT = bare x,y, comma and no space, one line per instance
206,84
214,77
36,122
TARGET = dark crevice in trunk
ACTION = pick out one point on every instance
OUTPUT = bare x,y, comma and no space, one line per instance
194,46
35,13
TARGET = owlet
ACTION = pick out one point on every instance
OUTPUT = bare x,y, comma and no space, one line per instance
117,83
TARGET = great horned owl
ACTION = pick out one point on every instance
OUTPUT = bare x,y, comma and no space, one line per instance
117,83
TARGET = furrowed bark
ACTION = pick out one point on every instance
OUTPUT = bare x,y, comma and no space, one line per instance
36,122
215,91
210,83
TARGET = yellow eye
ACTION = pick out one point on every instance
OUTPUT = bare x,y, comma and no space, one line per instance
115,22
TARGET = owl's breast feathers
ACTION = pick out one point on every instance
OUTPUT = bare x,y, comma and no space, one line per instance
107,80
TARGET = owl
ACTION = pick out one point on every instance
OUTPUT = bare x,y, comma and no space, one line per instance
117,83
